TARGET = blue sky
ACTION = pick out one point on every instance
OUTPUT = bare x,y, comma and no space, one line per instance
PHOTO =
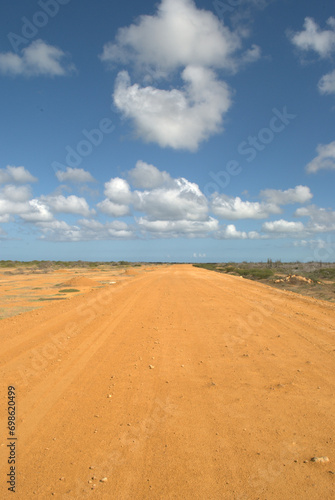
167,131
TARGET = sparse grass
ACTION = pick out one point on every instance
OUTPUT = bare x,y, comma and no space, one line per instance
209,266
43,299
254,274
251,273
68,290
7,263
268,272
322,274
54,265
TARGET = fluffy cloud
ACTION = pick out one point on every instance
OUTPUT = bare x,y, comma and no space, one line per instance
313,38
119,196
327,83
14,200
68,205
15,175
320,219
113,209
179,119
177,36
85,230
322,42
179,228
230,232
59,231
165,207
38,59
91,229
8,207
15,193
299,194
234,208
74,175
174,199
118,191
183,200
324,160
230,208
17,200
37,212
146,176
283,227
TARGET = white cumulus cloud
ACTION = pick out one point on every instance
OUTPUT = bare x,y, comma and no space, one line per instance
178,35
322,42
37,212
325,159
326,84
299,194
84,230
283,227
118,191
148,176
183,200
230,232
38,59
226,207
74,175
15,193
16,175
179,119
177,228
113,209
68,205
312,37
181,38
320,219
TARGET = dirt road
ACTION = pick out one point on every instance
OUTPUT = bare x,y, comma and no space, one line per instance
179,383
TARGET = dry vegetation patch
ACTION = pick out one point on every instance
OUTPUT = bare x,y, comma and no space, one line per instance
315,279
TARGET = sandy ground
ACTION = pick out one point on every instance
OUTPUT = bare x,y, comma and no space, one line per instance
178,383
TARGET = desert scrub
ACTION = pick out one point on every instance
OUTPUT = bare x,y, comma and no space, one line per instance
257,274
252,273
209,266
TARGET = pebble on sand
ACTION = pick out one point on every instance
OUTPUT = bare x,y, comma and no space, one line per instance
320,459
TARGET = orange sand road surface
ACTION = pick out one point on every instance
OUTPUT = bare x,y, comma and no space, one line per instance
239,396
